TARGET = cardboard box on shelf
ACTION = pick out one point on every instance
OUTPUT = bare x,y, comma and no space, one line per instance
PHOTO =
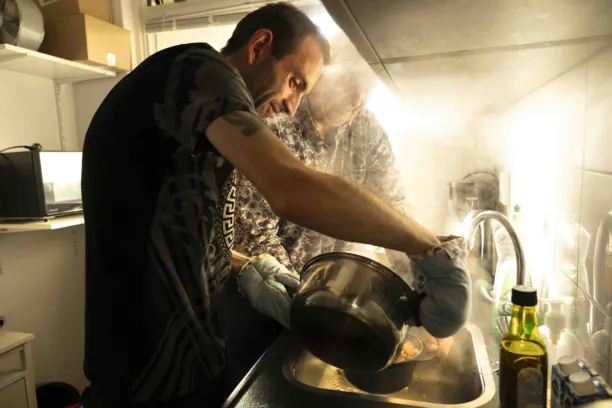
86,39
60,8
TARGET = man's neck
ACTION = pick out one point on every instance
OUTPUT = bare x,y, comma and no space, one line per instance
237,62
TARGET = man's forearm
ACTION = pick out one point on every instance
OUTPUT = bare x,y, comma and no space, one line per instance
343,210
321,202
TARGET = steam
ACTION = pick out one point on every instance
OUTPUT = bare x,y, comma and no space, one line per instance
346,60
345,55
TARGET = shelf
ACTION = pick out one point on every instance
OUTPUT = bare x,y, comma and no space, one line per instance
50,224
47,66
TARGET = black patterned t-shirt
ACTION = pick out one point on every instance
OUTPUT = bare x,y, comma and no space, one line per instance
159,214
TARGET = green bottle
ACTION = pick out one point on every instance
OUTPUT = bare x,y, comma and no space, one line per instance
523,358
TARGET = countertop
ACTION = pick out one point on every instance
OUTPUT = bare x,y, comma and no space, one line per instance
266,386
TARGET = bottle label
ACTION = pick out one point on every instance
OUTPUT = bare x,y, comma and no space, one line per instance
530,388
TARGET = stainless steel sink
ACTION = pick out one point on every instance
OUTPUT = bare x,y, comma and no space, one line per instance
464,379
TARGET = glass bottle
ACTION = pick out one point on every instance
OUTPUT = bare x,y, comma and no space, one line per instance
523,357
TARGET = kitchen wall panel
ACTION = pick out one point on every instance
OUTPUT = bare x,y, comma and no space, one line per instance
42,273
598,153
596,208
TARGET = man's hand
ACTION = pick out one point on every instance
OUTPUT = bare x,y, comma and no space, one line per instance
238,261
319,201
444,280
439,347
269,287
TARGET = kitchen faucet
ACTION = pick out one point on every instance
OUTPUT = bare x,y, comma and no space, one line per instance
479,217
475,220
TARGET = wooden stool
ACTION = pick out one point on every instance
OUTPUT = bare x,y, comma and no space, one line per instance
13,342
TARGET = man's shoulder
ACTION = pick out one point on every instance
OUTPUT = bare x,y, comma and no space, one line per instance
367,125
203,50
366,116
196,62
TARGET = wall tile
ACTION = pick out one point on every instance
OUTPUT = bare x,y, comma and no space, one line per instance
598,112
596,206
566,223
577,310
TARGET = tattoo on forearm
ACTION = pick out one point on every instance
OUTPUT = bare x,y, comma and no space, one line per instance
249,123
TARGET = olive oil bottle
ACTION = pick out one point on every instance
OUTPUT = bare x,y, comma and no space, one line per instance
523,358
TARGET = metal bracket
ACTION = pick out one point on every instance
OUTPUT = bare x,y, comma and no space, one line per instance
60,117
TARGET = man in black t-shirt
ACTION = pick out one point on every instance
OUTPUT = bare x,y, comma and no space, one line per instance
158,195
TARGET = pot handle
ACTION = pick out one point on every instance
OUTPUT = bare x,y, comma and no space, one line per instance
409,306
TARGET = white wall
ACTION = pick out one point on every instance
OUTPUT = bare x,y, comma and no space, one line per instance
216,36
88,96
42,292
28,111
42,273
556,143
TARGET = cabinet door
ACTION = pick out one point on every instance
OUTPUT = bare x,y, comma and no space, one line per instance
14,396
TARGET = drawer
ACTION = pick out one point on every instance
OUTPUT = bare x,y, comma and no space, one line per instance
14,396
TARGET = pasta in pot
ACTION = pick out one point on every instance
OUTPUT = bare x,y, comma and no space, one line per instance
409,351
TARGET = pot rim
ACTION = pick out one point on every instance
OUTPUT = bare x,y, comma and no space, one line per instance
417,341
348,255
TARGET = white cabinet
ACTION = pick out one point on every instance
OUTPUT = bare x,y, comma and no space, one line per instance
14,396
17,382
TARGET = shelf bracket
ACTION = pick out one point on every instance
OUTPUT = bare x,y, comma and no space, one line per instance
60,117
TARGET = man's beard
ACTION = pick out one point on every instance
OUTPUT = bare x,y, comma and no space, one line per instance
262,103
264,89
262,99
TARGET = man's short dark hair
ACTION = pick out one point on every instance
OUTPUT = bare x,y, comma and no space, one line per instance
289,27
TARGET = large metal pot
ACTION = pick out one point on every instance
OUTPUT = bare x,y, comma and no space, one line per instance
351,311
394,378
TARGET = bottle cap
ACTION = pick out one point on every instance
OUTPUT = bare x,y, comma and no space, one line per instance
523,295
582,383
568,365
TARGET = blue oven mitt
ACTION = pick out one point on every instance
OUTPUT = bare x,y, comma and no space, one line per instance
269,286
443,282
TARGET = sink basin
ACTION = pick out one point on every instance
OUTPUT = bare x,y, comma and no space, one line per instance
464,379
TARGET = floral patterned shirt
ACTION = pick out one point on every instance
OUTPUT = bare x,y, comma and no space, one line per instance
360,152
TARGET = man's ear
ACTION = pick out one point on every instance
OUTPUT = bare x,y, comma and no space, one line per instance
260,45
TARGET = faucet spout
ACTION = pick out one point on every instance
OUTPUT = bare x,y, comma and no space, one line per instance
477,218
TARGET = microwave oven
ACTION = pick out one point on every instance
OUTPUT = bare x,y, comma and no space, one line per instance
40,184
